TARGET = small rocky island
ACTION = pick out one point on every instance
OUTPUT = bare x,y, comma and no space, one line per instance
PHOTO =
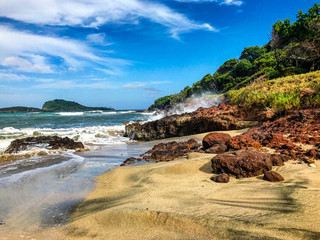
56,105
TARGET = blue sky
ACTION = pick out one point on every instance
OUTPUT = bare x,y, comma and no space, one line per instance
124,53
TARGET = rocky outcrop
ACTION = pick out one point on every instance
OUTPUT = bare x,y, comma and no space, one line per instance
47,142
243,142
245,163
222,117
272,176
164,152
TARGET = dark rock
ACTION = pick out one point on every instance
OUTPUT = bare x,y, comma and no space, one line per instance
129,161
48,142
221,178
243,142
272,176
242,163
312,153
217,148
222,117
164,152
212,139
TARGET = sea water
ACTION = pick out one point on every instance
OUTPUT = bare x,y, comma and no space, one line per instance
38,192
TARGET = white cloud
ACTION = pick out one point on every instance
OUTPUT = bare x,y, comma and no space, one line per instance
24,65
221,2
67,84
94,13
98,38
134,85
4,76
29,52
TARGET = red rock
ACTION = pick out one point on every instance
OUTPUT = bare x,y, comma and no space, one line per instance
272,176
312,153
218,148
214,138
242,163
278,141
242,142
221,178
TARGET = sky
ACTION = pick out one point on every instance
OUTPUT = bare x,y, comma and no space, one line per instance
124,53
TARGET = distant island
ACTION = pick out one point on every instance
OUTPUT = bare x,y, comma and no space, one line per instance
56,105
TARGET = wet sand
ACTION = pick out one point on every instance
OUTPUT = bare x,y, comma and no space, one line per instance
177,200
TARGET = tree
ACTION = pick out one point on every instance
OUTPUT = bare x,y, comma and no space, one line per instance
252,53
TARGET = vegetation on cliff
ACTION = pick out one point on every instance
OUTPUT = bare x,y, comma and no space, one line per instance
294,48
281,94
19,109
63,105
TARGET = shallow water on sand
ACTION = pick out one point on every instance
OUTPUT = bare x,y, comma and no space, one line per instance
38,193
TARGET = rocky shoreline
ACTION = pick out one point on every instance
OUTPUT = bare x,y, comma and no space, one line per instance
293,136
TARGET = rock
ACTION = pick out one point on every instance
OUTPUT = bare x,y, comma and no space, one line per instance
221,178
312,165
217,148
243,163
306,92
312,153
272,176
47,142
222,117
129,161
278,141
243,142
164,152
212,139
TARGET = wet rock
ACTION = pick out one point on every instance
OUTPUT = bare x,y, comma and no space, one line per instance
47,142
272,176
242,163
222,117
221,178
130,160
243,142
213,139
164,152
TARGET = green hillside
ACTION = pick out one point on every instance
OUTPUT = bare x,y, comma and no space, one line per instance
63,105
294,48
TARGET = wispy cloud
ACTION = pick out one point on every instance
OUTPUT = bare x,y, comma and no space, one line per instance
12,77
94,13
135,85
27,52
68,84
221,2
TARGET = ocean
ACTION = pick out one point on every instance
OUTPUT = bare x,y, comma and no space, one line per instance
38,191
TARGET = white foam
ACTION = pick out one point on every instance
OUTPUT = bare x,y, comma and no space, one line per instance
109,112
70,113
75,159
87,135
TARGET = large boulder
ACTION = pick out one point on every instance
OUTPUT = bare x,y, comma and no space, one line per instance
244,163
47,142
212,139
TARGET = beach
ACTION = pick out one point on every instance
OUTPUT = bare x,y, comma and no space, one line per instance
177,200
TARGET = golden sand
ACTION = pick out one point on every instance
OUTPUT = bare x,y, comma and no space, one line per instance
177,200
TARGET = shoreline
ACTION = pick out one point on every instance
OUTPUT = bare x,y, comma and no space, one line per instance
177,200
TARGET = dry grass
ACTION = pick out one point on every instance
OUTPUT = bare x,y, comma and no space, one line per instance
281,94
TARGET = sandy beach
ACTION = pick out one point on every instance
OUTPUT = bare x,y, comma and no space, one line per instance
177,200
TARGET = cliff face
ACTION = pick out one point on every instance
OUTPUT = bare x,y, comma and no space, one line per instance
222,117
63,105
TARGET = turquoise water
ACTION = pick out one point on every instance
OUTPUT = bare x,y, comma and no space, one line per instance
38,192
95,127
